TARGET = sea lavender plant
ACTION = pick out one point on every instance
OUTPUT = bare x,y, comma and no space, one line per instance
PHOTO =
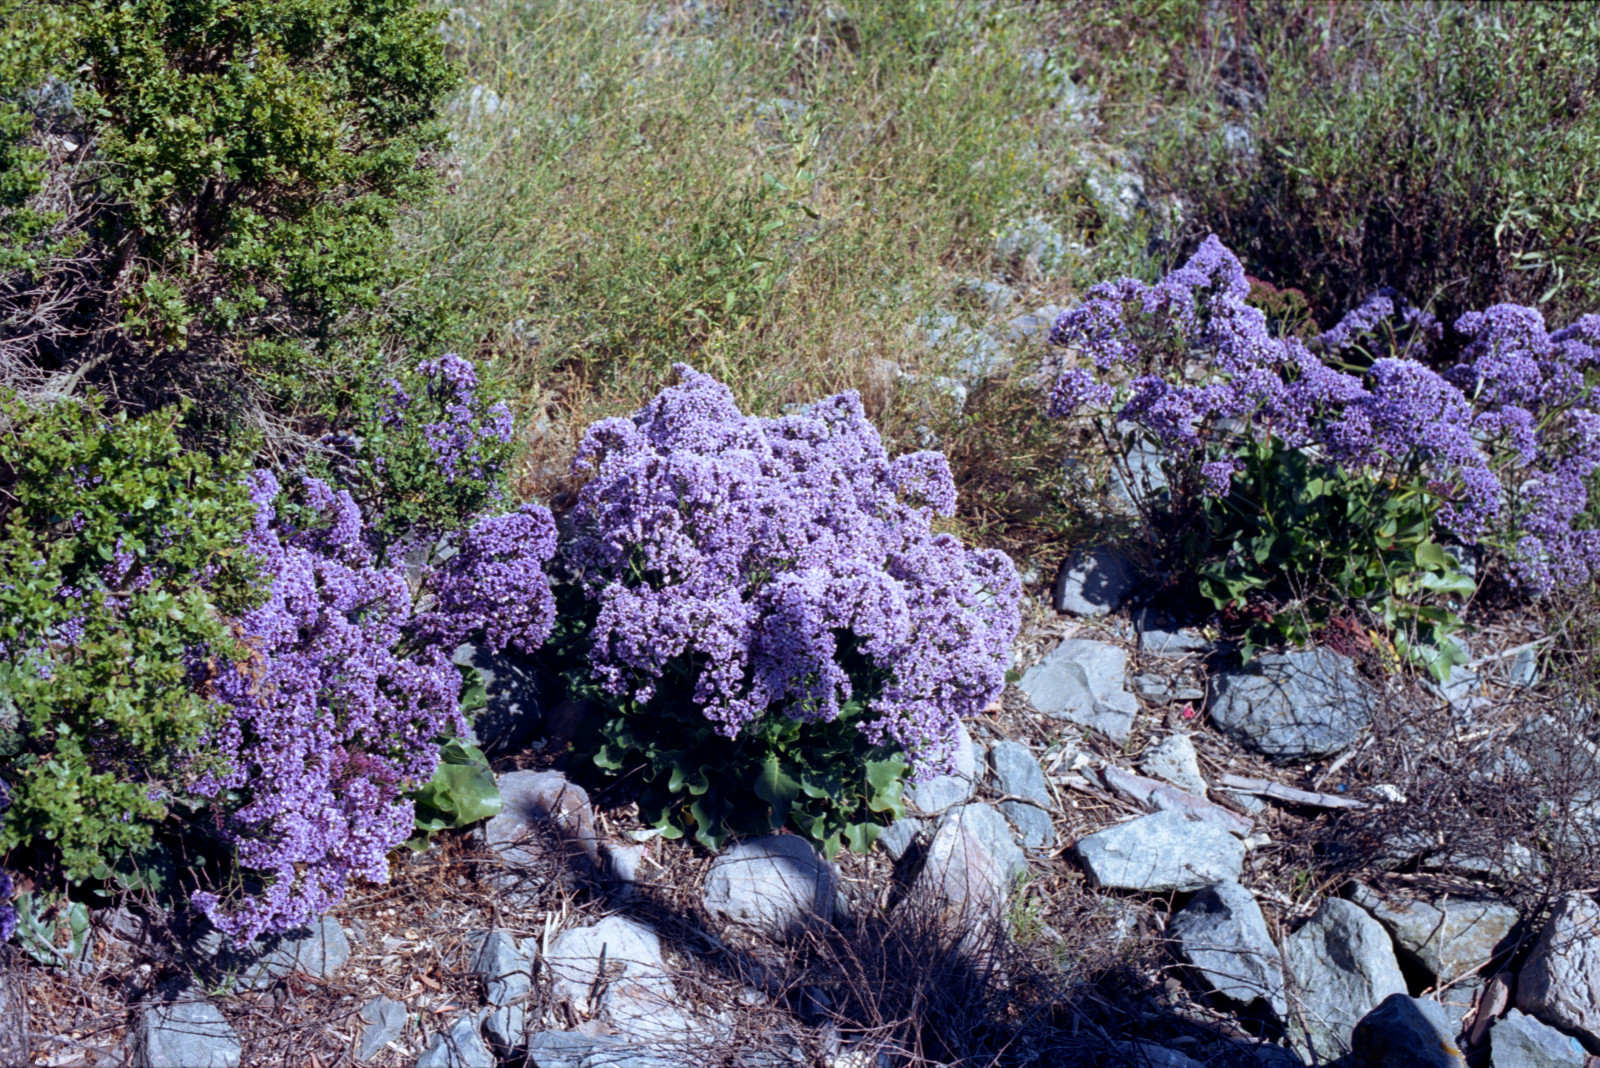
1496,452
783,571
329,723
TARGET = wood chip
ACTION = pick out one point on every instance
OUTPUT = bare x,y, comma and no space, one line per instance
1279,792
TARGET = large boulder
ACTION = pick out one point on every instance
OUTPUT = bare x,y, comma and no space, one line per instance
1292,706
1223,936
1343,965
1406,1032
1161,852
1560,983
777,883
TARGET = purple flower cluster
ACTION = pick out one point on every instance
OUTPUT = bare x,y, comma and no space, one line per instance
1507,437
458,438
8,911
758,549
328,722
496,584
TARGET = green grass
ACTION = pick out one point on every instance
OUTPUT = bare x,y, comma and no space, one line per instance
777,201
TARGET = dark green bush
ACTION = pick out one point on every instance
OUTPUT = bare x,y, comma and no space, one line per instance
120,553
1450,150
196,197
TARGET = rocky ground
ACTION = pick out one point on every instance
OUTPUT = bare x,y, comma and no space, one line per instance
1147,856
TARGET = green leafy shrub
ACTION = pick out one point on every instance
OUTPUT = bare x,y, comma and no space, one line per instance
1314,540
1449,150
462,792
120,555
199,203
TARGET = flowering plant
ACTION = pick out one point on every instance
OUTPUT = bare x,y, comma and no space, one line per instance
1495,453
776,583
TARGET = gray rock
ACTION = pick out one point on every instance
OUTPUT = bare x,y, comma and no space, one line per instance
777,883
1148,481
1525,668
1405,1032
319,949
386,1022
1518,1041
568,1049
541,811
1153,688
990,828
1344,965
1082,681
506,971
184,1034
1019,775
574,958
1448,937
943,791
621,864
1036,241
1160,852
1222,934
1291,706
1173,643
1560,982
898,837
1174,759
1158,796
960,876
457,1047
517,698
1033,326
1093,582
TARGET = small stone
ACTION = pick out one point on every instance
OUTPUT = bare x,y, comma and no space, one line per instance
1223,935
990,828
575,955
1093,582
1518,1041
567,1049
386,1022
1344,965
1161,797
184,1034
1033,326
1174,759
506,972
457,1047
1525,668
1172,644
319,949
1082,681
1150,1055
1152,688
1292,706
960,875
1161,852
944,791
777,883
536,807
1560,982
1405,1032
1019,775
